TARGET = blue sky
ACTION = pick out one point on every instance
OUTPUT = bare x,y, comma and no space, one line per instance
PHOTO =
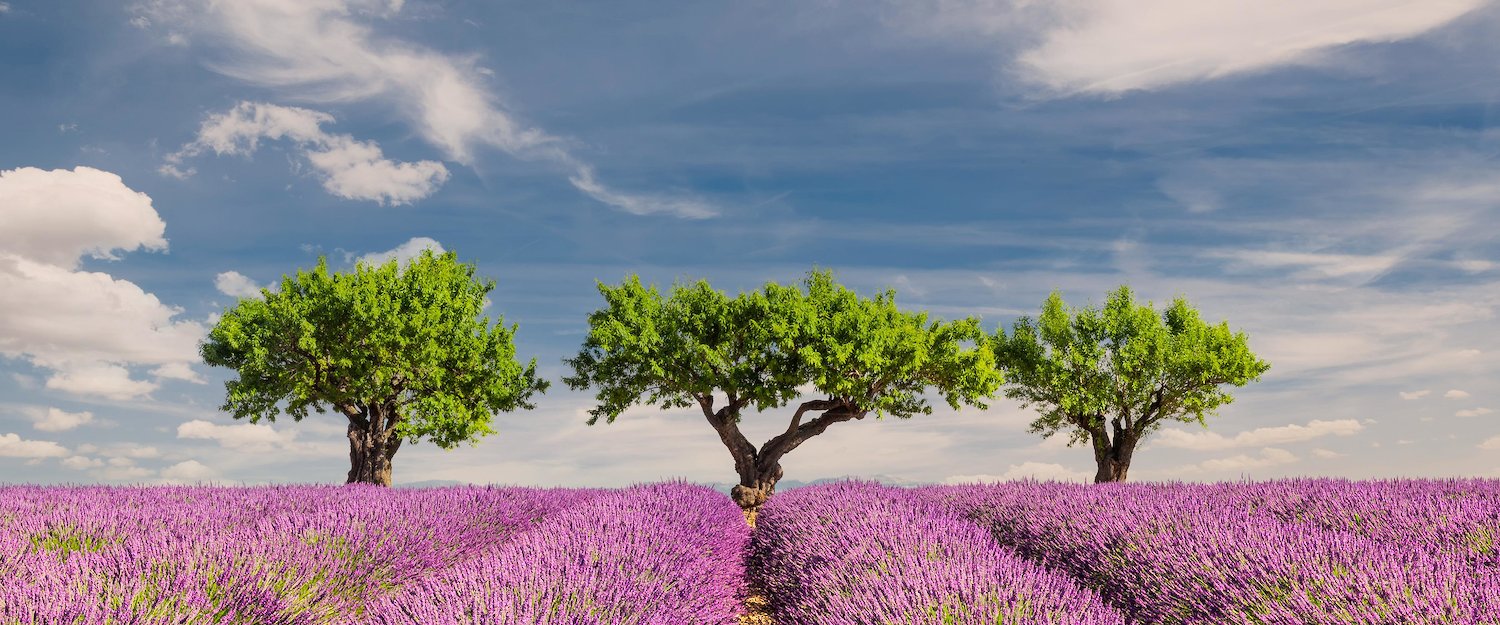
1322,175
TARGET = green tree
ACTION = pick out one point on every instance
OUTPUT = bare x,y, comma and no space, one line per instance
762,348
1110,377
402,352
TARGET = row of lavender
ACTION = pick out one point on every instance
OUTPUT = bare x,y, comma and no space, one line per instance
335,555
1319,552
866,554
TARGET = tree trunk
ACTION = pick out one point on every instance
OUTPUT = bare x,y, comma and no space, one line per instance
755,487
1113,458
372,444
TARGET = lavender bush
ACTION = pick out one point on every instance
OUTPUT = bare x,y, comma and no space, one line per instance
863,554
666,554
296,555
1174,554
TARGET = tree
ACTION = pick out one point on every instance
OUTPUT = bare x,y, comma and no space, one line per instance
761,348
1110,377
401,352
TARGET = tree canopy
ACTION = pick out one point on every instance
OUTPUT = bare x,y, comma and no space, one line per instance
767,348
403,352
1111,376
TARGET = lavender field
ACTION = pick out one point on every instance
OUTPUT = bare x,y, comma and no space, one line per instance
1285,552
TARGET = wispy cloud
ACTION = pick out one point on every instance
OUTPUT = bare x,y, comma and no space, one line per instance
1473,412
350,169
328,51
1280,435
1268,457
1109,47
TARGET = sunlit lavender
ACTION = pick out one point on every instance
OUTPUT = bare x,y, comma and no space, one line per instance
1303,552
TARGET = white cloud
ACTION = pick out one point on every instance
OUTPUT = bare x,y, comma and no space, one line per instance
178,371
236,284
56,217
189,471
1414,394
13,446
85,327
1114,46
1033,470
350,169
79,463
1293,433
327,51
122,473
4,7
1454,393
1268,457
1327,453
55,420
1492,443
1473,412
103,380
252,437
403,253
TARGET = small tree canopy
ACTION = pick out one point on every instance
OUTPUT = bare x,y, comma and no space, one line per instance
1124,366
412,338
763,348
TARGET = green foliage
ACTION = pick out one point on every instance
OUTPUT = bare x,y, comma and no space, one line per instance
413,337
760,346
1079,367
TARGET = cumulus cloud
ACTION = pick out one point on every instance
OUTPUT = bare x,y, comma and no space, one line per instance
350,169
1414,394
104,380
329,51
1280,435
1454,393
1491,443
1114,46
188,471
1473,412
86,327
13,446
56,420
80,463
403,253
57,217
1025,470
236,284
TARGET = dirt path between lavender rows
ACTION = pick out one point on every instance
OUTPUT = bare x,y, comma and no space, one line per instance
757,607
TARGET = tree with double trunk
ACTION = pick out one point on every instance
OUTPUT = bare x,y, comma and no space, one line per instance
764,349
1110,376
402,352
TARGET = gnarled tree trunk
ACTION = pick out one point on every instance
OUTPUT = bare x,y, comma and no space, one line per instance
1112,454
760,469
372,444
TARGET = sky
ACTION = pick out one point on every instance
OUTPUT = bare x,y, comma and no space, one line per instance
1322,175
